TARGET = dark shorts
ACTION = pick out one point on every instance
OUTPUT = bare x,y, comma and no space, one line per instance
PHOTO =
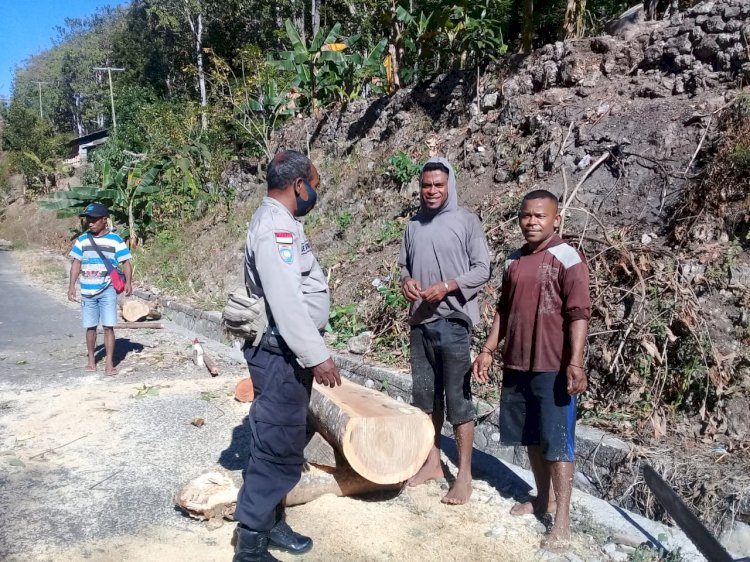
441,369
536,409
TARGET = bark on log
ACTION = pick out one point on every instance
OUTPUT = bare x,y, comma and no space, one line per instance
210,364
148,325
383,440
341,481
321,453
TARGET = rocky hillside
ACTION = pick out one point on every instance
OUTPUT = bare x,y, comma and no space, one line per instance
645,134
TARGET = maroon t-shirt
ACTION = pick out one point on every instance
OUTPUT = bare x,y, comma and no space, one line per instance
541,294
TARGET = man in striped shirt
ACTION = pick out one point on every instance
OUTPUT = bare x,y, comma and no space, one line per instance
98,296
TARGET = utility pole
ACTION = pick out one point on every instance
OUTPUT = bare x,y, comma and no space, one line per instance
39,85
109,70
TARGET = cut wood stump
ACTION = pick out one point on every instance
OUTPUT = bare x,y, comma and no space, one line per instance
383,440
210,495
134,311
244,391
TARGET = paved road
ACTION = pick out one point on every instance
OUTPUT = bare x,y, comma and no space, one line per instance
32,324
89,464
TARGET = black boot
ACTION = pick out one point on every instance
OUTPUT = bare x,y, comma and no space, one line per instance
283,538
251,546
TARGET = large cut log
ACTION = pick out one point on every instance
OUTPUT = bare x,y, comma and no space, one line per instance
339,481
134,310
383,440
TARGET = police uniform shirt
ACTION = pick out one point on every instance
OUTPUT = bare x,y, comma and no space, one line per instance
280,266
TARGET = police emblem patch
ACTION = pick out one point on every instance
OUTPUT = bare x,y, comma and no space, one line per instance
284,241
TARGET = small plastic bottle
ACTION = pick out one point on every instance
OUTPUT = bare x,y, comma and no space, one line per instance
198,353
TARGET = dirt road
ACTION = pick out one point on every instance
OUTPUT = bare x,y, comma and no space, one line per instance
89,464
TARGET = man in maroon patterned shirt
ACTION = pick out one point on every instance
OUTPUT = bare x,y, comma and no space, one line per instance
542,315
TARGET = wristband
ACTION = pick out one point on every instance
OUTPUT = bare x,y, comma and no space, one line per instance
487,350
578,366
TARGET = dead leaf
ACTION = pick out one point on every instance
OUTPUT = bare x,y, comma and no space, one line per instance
198,422
670,336
652,350
659,423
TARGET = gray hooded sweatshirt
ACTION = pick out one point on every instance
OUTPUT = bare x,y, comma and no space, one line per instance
441,245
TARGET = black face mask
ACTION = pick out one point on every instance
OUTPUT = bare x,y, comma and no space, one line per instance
305,206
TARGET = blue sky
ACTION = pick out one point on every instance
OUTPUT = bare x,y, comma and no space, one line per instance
27,27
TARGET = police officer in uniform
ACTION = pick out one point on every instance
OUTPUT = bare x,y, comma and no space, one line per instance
280,266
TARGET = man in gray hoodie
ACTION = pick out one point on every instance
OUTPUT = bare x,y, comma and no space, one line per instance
444,263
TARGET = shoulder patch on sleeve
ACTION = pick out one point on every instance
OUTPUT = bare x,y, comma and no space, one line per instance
566,255
511,258
284,243
283,237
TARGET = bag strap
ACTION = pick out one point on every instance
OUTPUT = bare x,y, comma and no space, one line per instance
107,263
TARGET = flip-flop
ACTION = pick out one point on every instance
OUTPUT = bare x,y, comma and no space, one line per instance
111,373
90,369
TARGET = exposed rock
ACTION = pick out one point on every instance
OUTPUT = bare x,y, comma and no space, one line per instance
739,276
360,344
737,539
738,416
628,24
490,101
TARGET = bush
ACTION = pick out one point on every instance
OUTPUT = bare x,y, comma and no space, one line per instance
401,168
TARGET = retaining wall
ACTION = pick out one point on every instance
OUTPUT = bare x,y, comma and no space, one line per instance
598,452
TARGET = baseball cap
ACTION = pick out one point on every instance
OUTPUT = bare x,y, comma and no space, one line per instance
95,210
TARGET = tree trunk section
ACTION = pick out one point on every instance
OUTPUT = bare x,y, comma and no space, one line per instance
299,19
201,72
383,440
341,481
527,32
315,16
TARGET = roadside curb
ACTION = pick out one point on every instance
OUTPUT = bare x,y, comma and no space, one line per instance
598,451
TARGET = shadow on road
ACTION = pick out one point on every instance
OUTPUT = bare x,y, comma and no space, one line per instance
123,346
490,469
236,455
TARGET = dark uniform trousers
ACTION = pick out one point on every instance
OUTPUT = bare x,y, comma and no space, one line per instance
277,423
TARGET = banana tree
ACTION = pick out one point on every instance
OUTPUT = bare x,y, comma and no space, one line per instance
258,115
127,192
356,70
308,61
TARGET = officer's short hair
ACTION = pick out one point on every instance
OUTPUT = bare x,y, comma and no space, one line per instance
287,166
541,194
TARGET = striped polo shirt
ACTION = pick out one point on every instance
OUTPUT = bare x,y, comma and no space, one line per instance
94,276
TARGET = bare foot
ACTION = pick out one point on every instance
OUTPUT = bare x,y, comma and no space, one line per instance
90,368
459,493
558,539
427,472
110,371
533,508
